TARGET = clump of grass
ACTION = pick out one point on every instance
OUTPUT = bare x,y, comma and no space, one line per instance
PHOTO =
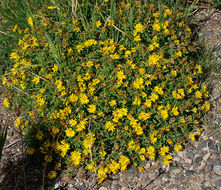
114,85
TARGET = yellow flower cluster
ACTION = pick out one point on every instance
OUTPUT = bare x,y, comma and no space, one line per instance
103,101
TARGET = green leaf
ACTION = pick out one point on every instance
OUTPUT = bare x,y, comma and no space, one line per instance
54,51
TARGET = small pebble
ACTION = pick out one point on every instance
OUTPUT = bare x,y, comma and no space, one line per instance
217,169
56,186
188,161
205,158
103,188
176,171
176,159
202,166
190,172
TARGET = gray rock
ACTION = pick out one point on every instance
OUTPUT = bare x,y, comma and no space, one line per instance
210,161
188,161
202,145
206,157
176,171
214,148
217,169
190,155
56,186
198,159
82,187
103,188
218,183
181,177
216,48
117,187
209,168
190,172
195,151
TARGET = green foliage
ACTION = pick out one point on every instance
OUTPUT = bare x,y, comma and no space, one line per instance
217,3
106,84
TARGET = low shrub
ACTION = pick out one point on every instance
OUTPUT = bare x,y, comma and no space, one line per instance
104,92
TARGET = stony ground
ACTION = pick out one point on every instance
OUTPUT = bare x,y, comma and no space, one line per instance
197,167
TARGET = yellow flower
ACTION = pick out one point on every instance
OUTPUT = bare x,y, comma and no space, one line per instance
144,116
192,137
102,153
139,27
76,157
142,157
164,114
174,73
153,97
136,101
70,132
138,83
79,48
42,90
14,56
84,99
55,68
199,67
156,27
151,152
206,106
127,53
73,98
131,145
72,122
158,89
115,56
30,150
123,161
36,80
17,122
175,111
137,39
114,166
39,135
166,32
179,53
92,108
81,125
167,160
91,167
15,28
102,174
52,174
55,130
153,139
183,120
51,7
164,150
30,21
109,126
112,103
98,23
148,103
198,94
6,102
177,147
194,109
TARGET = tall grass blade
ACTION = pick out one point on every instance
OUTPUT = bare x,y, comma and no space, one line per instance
131,14
54,51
